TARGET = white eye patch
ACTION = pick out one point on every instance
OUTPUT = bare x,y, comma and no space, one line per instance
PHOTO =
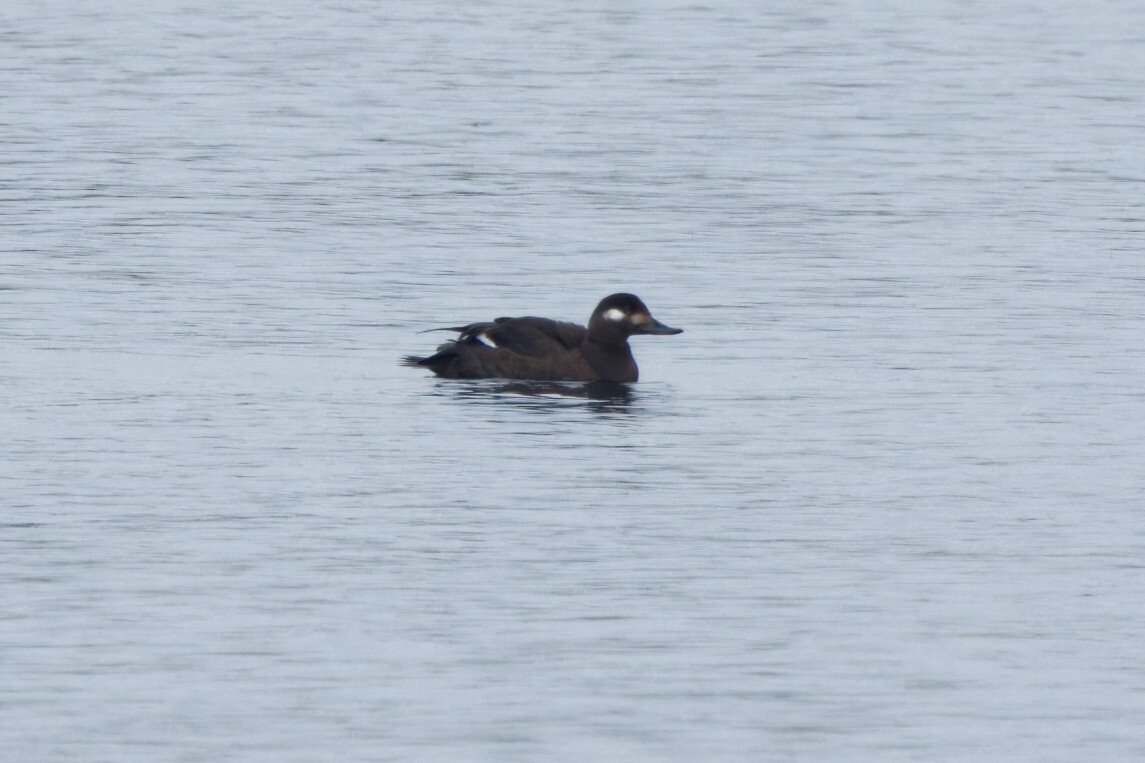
615,314
485,340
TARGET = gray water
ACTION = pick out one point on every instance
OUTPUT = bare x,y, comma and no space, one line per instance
880,501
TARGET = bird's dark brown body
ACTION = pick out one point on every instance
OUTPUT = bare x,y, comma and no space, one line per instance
540,349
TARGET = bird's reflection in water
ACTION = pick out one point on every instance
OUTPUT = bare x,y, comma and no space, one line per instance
545,397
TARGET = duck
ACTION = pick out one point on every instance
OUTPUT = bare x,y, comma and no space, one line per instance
542,349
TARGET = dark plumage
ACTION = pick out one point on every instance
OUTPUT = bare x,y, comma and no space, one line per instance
540,349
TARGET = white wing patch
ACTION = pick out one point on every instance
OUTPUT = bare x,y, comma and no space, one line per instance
485,340
615,314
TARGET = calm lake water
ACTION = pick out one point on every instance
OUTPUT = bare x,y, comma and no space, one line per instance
881,501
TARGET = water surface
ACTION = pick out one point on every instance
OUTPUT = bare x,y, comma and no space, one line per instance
880,501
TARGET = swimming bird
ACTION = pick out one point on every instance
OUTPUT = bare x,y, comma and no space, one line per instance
540,349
